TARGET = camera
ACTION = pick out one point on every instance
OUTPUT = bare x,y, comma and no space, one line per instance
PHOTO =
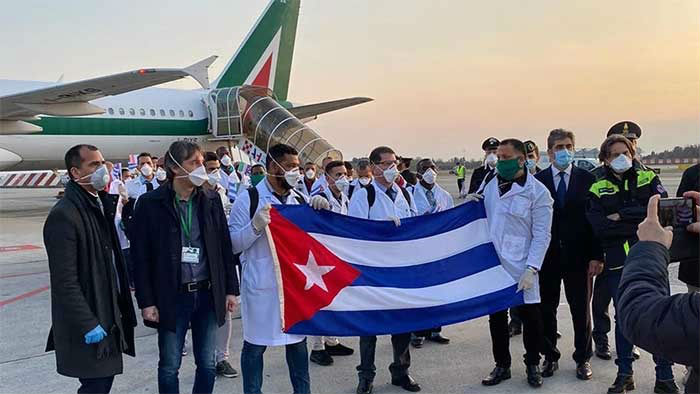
679,212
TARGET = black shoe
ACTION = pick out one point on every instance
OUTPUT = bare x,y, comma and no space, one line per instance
417,342
534,376
321,357
223,368
339,350
496,376
666,387
583,371
407,383
635,353
622,384
548,368
438,338
603,352
364,387
514,329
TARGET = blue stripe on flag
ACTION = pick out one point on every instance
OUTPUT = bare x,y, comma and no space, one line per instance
455,267
359,323
335,224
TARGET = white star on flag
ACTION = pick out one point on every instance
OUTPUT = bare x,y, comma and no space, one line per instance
314,273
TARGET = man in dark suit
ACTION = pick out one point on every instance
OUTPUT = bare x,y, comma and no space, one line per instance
489,146
571,251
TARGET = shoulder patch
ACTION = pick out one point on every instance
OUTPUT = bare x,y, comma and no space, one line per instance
660,188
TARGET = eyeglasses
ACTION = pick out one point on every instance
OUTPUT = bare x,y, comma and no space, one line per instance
387,163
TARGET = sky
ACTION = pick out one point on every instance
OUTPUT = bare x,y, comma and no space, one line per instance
444,75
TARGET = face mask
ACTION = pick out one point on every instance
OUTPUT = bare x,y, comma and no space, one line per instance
310,174
342,184
621,164
507,169
197,177
491,160
214,178
364,181
391,173
225,160
291,178
161,174
98,179
563,157
146,170
429,176
530,164
257,178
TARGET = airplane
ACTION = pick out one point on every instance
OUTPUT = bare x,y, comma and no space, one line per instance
123,114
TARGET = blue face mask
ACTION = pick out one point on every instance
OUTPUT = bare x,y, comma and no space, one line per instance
530,164
563,157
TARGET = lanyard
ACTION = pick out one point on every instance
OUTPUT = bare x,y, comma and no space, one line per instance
185,222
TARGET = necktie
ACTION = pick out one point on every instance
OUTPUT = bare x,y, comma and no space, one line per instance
430,196
149,186
561,190
391,193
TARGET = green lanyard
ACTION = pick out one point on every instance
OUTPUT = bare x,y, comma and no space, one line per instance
185,223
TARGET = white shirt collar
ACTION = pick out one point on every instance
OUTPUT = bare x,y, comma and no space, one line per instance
556,171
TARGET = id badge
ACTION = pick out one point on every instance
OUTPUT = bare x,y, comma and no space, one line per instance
190,255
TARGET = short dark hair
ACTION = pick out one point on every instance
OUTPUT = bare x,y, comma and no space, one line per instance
144,154
516,144
348,165
277,152
419,165
559,134
254,166
362,164
179,151
376,155
612,140
220,151
333,164
73,158
210,156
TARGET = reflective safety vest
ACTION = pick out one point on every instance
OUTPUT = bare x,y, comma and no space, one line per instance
461,172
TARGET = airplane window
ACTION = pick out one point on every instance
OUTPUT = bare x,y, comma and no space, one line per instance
121,111
132,112
162,112
190,113
182,113
172,113
111,111
152,112
142,112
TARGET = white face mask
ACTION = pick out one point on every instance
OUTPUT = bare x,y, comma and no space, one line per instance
225,160
343,184
621,164
146,170
197,177
364,181
161,174
391,173
491,160
429,176
310,174
214,178
98,179
292,177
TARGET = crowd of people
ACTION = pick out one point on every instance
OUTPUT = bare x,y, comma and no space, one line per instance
187,233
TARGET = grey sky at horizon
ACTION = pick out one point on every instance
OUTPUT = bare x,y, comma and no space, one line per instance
444,75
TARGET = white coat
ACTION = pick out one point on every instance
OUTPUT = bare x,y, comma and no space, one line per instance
335,205
520,225
260,308
383,208
137,186
442,198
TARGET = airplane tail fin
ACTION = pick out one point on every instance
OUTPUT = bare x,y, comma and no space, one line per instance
265,56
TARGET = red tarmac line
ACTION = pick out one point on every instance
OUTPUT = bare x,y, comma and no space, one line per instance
17,248
23,296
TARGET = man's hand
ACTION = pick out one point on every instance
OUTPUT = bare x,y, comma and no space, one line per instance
262,218
615,217
473,197
650,229
150,313
231,303
318,203
395,219
694,227
595,268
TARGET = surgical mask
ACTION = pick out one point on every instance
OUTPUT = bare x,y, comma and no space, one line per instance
197,177
214,178
146,170
507,169
621,164
491,160
530,164
391,173
225,160
310,174
364,181
563,157
257,178
343,184
98,179
291,178
429,176
161,174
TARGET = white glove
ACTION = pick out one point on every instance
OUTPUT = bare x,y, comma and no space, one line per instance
262,218
396,220
527,279
318,203
473,197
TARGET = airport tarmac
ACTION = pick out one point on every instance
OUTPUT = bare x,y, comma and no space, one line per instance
25,317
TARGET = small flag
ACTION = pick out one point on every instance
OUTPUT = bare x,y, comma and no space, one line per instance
117,171
133,162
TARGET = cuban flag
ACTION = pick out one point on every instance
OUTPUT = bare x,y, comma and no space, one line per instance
346,276
117,171
133,162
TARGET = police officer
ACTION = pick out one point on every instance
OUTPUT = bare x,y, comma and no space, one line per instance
383,199
616,205
489,146
460,171
533,157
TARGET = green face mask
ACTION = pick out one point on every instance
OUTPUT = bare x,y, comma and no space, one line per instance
507,169
255,179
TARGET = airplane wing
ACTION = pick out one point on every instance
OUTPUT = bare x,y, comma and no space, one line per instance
72,99
312,110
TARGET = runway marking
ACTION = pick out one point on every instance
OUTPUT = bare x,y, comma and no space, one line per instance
24,274
17,248
23,296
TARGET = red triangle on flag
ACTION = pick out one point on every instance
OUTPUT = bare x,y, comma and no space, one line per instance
263,77
312,275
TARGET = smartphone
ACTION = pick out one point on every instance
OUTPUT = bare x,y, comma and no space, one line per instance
677,212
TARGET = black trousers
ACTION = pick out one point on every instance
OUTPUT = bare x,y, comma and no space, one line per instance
533,337
427,333
600,306
514,318
460,182
576,291
402,356
96,385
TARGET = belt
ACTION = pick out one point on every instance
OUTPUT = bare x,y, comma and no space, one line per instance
191,287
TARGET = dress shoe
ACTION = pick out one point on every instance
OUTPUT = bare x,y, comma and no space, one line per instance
635,353
364,387
622,384
548,368
438,338
496,376
321,357
666,387
514,329
407,383
534,376
603,352
339,350
417,342
583,371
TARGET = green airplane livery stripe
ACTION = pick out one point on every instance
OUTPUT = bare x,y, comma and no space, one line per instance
111,126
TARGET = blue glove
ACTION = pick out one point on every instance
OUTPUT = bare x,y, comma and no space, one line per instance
95,335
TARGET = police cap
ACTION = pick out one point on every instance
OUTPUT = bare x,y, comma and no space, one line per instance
490,143
627,128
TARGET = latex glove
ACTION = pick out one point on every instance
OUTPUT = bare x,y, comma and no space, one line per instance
527,279
473,197
262,218
396,220
318,203
231,303
95,335
150,313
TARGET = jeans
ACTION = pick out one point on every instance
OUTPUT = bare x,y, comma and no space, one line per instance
96,385
402,356
297,361
195,310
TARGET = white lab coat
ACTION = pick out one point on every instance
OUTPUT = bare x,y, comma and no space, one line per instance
520,225
335,205
260,308
383,208
137,186
442,197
